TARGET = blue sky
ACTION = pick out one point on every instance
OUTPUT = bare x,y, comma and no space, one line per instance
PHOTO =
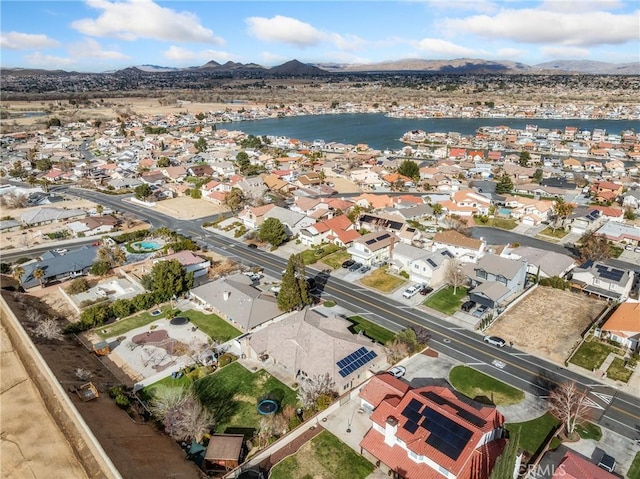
101,35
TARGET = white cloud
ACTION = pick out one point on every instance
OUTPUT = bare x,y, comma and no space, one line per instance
473,5
47,61
574,28
91,48
438,46
585,5
288,30
184,55
565,52
25,41
134,19
273,59
347,42
509,53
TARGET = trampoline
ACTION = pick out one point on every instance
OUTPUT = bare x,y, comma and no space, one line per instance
267,406
179,321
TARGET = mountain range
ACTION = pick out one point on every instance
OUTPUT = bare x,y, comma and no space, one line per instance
415,65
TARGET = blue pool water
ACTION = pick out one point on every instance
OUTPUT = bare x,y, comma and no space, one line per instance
147,245
504,211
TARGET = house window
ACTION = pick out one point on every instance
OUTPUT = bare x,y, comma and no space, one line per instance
346,386
502,279
413,456
481,273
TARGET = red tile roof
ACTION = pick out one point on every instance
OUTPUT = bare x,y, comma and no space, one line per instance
575,467
383,386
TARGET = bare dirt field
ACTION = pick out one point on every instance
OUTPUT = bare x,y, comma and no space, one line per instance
185,207
26,422
136,449
548,322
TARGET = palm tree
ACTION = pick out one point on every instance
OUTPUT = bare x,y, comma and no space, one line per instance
99,209
38,274
437,211
18,273
561,210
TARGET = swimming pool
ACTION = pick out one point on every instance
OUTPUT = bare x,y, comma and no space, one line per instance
146,245
504,211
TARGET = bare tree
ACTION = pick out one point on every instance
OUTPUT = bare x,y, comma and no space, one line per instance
311,389
569,404
48,329
166,398
114,255
397,350
454,275
14,200
188,421
274,425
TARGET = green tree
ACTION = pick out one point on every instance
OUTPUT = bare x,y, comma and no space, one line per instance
594,247
537,176
169,278
234,199
437,211
200,145
18,273
294,289
163,162
561,211
242,161
505,185
505,465
38,274
195,193
525,158
95,315
112,255
54,122
99,209
100,268
629,214
142,191
200,116
121,308
410,169
44,164
272,230
78,285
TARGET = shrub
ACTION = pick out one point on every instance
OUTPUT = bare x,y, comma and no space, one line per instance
329,304
78,285
121,397
554,282
225,359
404,274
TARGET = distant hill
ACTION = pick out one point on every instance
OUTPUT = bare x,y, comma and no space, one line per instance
155,68
459,65
296,68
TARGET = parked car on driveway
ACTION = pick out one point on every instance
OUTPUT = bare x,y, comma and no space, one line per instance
364,269
410,292
478,313
468,306
495,341
397,371
348,263
355,266
426,290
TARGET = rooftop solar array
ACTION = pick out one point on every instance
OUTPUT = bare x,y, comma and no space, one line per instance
378,239
355,361
460,412
445,435
432,263
607,272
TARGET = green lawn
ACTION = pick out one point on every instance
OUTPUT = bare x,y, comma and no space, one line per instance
325,456
370,330
382,281
336,259
146,393
132,322
212,324
310,256
232,394
591,354
445,301
589,431
618,372
634,470
502,223
558,233
534,432
476,385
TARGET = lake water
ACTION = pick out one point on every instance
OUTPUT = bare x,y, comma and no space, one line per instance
381,132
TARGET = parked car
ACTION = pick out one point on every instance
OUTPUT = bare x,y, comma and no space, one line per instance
410,292
348,263
495,341
355,266
637,250
468,306
252,246
426,290
607,463
61,251
478,313
397,371
364,269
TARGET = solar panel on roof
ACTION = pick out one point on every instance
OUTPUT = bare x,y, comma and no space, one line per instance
415,405
446,435
410,426
371,241
384,237
411,414
355,361
432,263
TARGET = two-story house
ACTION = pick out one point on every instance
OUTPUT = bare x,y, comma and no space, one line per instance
496,279
429,433
430,267
373,248
467,203
598,279
605,190
467,250
338,230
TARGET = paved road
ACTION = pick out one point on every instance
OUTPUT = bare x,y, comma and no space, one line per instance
619,411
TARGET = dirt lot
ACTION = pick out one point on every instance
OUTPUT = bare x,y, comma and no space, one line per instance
136,449
548,322
185,207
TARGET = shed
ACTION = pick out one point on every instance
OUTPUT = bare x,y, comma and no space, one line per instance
101,348
223,452
87,392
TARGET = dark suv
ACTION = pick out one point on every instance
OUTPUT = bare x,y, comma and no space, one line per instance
348,263
468,306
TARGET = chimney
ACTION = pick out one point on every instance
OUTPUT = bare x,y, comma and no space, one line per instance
225,295
390,429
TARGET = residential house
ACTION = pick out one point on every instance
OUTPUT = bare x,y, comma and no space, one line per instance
373,248
467,250
338,230
190,261
368,200
541,263
623,326
605,191
308,179
529,211
430,433
573,466
495,279
305,344
235,299
584,219
430,267
598,279
313,207
467,202
620,233
42,216
276,184
292,221
93,225
58,267
631,198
